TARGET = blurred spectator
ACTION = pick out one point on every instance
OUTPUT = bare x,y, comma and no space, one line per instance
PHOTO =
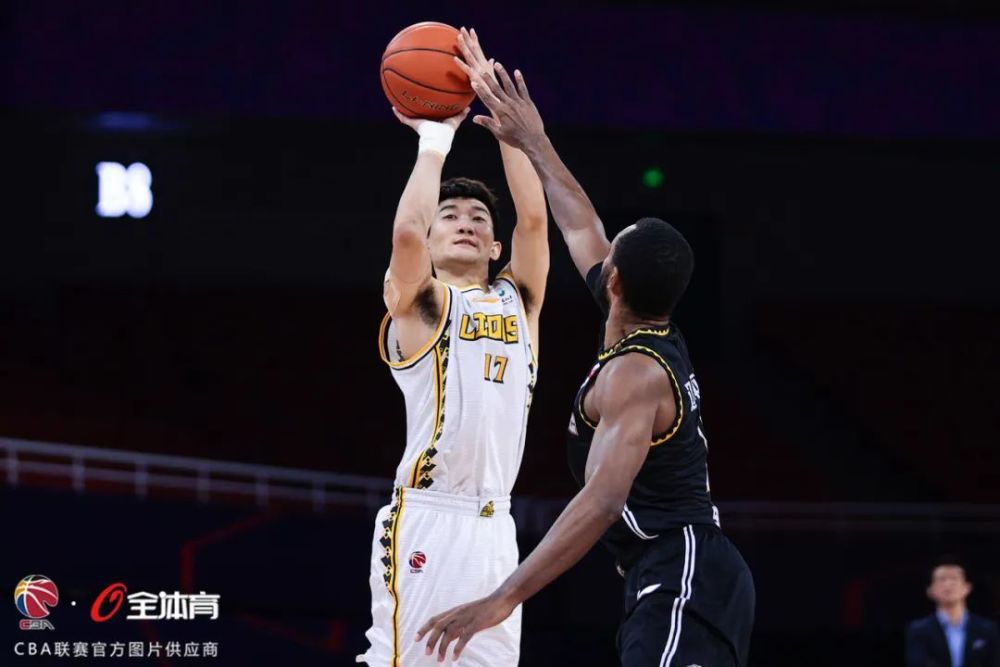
951,636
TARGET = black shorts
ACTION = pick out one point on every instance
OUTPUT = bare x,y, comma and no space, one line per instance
689,601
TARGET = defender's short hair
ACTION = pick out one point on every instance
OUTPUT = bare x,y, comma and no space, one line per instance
468,188
654,263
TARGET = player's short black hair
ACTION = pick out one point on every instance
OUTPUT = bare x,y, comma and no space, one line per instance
950,560
469,188
654,263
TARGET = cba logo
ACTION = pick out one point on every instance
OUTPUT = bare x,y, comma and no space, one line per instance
417,561
33,597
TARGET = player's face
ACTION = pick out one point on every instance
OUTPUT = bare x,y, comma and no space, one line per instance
603,293
462,233
948,585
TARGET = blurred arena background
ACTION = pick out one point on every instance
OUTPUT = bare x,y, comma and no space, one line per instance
191,397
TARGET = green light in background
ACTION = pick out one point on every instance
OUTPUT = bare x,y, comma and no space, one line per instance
652,177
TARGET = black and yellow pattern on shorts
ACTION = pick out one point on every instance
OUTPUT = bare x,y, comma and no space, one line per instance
390,561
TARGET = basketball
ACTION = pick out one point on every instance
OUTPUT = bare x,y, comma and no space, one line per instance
419,76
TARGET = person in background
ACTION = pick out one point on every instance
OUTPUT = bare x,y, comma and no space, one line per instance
951,636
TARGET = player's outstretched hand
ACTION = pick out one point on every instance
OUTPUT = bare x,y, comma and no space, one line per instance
461,623
453,122
472,54
515,119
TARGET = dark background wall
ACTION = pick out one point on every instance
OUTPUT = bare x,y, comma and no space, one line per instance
834,166
842,298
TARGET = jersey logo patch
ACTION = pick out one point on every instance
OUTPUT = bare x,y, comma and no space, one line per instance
487,510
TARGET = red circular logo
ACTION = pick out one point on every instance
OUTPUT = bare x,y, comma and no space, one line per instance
111,597
417,559
34,595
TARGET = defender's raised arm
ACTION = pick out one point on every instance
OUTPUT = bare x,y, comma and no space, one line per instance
515,121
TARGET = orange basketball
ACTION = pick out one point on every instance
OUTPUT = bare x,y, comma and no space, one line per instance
419,76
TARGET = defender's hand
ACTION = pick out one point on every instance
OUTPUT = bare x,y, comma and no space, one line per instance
461,623
515,119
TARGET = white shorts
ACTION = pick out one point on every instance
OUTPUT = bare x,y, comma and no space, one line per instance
430,552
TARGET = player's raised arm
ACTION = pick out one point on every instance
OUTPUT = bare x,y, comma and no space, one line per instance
410,264
529,262
515,121
627,398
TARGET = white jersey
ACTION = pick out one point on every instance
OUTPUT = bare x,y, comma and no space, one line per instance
467,393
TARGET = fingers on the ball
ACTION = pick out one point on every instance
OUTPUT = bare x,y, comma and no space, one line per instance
469,45
467,53
476,42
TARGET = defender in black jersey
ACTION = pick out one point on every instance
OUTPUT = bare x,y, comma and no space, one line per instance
637,445
678,567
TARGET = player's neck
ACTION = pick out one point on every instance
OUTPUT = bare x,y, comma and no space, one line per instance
621,323
954,612
463,276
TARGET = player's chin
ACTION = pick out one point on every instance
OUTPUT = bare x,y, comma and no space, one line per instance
466,254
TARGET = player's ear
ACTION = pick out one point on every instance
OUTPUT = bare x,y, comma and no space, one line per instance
614,281
495,249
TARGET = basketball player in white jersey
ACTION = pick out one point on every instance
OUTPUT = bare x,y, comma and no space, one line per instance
463,351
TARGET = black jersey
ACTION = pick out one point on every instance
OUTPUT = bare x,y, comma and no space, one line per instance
671,489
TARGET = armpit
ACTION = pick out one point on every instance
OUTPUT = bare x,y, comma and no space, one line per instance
427,305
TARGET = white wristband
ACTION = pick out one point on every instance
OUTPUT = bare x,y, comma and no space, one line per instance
435,137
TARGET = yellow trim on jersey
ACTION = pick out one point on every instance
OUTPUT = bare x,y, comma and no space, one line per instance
438,416
394,586
413,359
678,398
616,346
583,415
509,277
